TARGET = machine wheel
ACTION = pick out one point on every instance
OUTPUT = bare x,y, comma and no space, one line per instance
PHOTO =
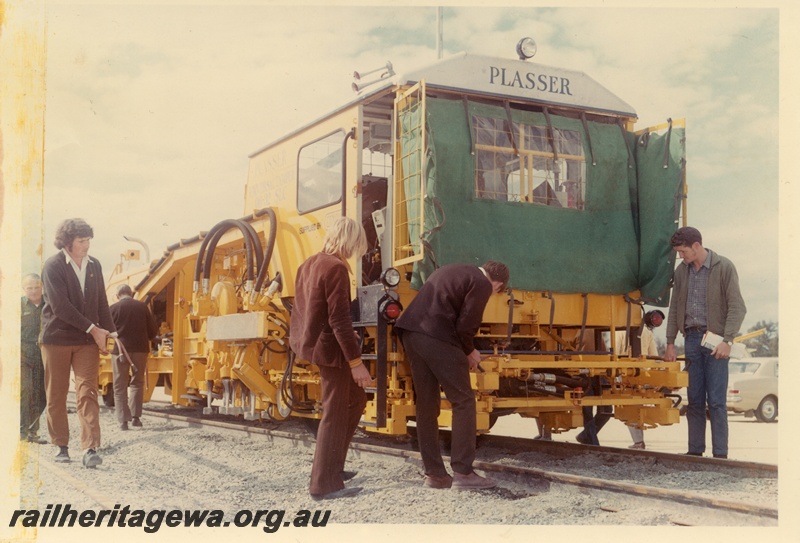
276,414
767,410
108,397
279,411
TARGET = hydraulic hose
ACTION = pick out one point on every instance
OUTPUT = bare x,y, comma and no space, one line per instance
219,230
203,266
273,230
198,266
550,378
259,251
286,386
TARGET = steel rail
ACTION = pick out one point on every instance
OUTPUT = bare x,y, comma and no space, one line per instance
562,447
755,468
506,471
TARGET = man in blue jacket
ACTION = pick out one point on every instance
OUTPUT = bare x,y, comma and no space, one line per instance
76,323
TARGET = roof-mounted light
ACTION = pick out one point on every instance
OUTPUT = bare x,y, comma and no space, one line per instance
526,48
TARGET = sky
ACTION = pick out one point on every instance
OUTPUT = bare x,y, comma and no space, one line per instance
152,111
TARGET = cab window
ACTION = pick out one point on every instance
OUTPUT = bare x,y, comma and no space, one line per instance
535,175
319,172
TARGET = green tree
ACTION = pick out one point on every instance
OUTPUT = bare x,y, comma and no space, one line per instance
765,344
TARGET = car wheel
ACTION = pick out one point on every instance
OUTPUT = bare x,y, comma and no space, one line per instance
767,410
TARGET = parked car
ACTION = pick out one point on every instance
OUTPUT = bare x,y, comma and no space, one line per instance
752,388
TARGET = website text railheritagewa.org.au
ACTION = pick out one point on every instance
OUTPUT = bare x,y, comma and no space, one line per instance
64,516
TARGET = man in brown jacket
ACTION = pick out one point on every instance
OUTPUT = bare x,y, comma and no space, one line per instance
321,331
437,330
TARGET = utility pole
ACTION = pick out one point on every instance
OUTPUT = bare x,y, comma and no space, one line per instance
439,32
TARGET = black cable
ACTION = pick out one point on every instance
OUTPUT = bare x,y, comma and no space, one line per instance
212,246
273,230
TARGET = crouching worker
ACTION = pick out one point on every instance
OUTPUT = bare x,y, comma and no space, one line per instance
437,330
321,331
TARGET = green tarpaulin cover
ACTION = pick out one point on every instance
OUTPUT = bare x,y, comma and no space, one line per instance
617,244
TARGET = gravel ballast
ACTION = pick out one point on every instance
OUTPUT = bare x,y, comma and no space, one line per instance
168,465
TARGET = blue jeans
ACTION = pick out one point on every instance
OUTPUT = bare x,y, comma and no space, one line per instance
708,386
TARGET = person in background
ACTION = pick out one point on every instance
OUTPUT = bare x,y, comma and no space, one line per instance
136,328
593,425
32,400
544,433
437,331
705,297
649,348
321,331
76,324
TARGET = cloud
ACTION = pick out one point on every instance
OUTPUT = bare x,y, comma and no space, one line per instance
152,110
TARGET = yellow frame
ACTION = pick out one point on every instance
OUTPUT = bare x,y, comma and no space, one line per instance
404,250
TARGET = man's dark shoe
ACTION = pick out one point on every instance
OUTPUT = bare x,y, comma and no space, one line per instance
347,475
720,456
438,481
63,454
123,425
343,493
33,438
136,422
581,438
91,459
694,454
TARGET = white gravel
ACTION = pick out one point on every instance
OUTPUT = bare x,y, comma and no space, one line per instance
169,465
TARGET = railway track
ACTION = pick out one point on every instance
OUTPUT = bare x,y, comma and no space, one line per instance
511,452
184,461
